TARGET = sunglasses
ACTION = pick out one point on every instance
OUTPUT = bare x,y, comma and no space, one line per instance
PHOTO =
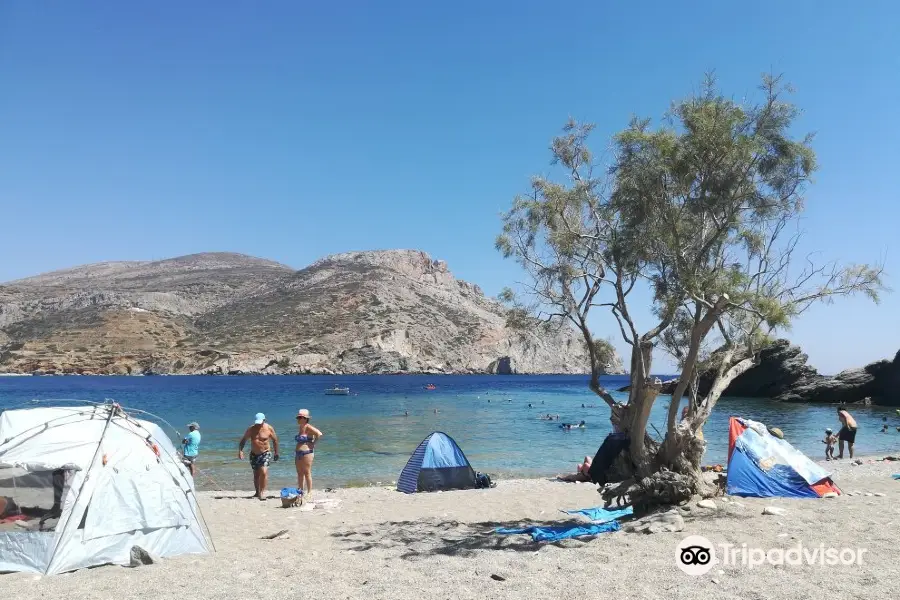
301,417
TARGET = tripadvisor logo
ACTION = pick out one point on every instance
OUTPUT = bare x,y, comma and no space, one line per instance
696,555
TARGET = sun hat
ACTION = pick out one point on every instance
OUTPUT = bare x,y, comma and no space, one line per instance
259,418
194,424
303,413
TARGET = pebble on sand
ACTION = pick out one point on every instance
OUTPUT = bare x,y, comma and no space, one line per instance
773,510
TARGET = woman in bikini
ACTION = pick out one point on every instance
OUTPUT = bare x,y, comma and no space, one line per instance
306,439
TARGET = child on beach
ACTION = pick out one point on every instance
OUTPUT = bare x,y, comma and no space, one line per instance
829,441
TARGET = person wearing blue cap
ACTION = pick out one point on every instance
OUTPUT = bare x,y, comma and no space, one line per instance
191,444
263,440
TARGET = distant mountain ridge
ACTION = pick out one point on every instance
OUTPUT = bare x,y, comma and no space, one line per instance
357,312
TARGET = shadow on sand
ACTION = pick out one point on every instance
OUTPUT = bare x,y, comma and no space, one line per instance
419,539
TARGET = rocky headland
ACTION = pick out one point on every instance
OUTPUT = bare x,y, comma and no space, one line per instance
395,311
783,374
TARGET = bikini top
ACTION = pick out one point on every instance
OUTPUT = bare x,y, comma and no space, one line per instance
302,439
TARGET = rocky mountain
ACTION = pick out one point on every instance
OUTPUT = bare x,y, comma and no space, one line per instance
218,313
783,374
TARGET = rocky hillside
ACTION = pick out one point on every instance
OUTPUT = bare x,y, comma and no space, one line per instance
360,312
783,374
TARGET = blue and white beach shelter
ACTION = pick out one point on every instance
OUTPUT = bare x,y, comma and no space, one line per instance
761,465
437,464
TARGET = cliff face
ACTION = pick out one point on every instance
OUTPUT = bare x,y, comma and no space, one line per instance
783,374
360,312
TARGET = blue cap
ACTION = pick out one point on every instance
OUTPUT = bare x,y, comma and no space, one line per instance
259,418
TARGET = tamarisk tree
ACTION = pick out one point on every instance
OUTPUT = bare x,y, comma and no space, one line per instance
702,211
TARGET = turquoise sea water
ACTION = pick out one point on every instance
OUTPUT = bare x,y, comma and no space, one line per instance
368,440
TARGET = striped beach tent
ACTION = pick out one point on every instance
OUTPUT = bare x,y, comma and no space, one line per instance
437,464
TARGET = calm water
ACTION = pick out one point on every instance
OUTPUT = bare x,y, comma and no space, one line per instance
368,440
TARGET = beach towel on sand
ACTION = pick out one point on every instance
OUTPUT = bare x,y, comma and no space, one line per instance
601,515
562,532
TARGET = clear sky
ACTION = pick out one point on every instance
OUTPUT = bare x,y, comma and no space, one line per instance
293,130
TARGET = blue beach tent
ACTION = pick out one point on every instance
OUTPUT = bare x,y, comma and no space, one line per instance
437,464
761,465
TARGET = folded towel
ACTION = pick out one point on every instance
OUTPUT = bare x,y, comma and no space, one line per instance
601,515
555,534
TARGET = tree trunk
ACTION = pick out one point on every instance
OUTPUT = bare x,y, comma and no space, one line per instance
672,474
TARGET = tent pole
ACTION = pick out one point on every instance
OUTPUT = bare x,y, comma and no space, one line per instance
200,517
87,476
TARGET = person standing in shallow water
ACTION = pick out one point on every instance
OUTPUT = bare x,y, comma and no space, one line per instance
306,439
847,432
191,443
263,440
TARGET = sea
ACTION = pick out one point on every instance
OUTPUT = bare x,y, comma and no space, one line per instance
368,437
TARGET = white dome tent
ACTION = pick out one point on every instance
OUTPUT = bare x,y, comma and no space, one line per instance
81,485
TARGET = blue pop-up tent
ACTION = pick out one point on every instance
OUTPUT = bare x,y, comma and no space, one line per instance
761,465
437,464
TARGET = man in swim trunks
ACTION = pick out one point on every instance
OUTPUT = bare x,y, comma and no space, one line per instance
263,440
847,432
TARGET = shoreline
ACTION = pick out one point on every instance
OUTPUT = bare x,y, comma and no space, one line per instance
872,458
250,374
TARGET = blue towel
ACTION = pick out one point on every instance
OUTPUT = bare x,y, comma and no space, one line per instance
601,515
896,476
555,534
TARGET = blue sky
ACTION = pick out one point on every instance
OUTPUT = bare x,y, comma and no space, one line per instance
292,131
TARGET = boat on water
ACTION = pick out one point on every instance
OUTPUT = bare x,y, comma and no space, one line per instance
338,391
430,386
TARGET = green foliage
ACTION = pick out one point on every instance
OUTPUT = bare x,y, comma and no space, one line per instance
606,352
507,296
699,208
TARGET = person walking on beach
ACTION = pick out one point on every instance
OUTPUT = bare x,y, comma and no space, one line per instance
847,432
263,440
306,439
191,444
829,441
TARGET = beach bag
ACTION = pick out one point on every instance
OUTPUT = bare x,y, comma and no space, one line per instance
483,481
291,497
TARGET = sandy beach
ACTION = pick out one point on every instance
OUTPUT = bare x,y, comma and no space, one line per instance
378,543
